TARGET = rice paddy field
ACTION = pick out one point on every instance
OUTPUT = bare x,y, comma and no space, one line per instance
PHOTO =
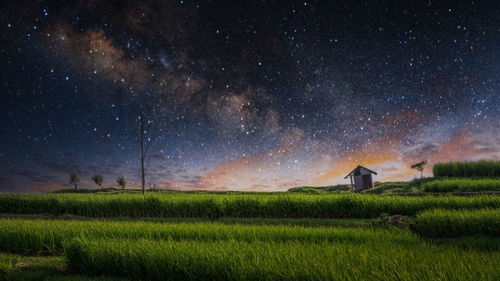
477,169
284,205
278,236
462,185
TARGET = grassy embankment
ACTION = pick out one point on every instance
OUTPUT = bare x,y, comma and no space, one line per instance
237,206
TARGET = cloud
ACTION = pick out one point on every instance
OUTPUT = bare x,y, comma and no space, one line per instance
250,170
242,112
152,19
93,53
465,146
376,153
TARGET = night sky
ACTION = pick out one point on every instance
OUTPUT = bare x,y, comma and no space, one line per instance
257,96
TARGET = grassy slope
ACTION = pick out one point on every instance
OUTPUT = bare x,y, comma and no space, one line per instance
454,223
51,268
462,185
243,221
488,169
49,236
462,258
235,260
237,206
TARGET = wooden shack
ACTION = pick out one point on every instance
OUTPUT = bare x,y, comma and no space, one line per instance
361,178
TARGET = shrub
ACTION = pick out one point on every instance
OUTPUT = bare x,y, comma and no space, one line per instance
243,206
454,223
467,169
462,185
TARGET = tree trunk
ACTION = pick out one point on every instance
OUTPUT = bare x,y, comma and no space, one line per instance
143,174
76,187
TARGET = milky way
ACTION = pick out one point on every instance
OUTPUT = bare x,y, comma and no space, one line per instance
248,96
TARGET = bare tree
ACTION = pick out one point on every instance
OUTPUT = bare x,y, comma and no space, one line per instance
148,125
146,133
74,180
147,120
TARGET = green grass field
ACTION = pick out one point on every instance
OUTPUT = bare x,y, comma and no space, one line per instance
462,185
114,235
487,169
451,223
292,260
47,237
238,206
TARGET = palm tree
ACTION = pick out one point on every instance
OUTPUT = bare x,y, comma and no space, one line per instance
420,167
98,179
121,182
74,180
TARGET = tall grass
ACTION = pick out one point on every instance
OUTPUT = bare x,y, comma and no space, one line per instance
462,185
233,260
453,223
467,169
243,206
48,236
41,268
337,222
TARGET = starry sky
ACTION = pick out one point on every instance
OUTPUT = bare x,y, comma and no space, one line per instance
250,95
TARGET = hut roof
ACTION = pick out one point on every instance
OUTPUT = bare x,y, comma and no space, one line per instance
359,166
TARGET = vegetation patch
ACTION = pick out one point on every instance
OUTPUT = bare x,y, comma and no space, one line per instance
320,189
236,206
462,185
292,260
47,237
224,220
467,169
388,187
453,223
48,268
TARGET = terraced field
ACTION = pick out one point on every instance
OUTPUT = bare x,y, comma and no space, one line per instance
186,236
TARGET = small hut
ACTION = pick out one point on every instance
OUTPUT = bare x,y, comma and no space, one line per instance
361,178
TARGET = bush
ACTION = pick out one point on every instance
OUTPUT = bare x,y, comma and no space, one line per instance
241,206
418,182
462,185
467,169
320,189
454,223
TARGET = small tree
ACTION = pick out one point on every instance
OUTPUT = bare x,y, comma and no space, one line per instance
98,179
74,180
419,167
121,182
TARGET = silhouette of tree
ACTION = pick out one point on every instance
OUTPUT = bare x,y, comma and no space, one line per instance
145,110
74,180
148,126
419,167
98,179
121,182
